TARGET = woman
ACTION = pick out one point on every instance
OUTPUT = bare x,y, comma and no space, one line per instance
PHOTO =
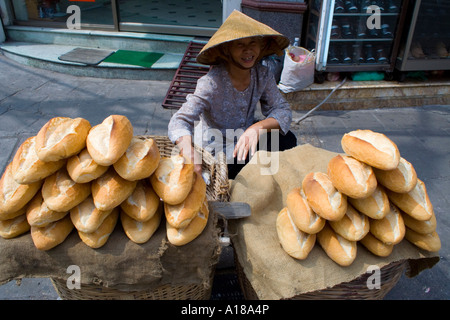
222,108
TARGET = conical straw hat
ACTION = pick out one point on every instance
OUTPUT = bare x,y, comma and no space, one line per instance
238,26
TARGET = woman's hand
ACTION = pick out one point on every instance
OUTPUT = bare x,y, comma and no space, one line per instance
189,152
247,142
249,139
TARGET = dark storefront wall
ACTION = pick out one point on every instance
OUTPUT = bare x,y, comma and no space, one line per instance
189,17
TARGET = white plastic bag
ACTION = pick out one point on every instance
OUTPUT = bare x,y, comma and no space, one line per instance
297,75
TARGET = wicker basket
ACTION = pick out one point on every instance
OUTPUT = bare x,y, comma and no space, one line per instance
216,190
356,289
98,292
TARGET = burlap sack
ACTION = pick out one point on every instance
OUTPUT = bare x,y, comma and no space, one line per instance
272,273
120,264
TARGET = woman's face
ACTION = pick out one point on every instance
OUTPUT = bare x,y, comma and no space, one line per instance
245,52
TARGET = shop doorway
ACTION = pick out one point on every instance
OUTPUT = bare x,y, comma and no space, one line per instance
183,17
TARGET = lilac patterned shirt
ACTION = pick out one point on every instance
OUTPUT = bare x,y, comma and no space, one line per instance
218,111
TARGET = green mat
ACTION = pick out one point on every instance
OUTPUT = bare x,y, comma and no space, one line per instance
136,58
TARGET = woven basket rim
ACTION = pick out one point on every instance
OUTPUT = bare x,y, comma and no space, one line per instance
354,289
163,292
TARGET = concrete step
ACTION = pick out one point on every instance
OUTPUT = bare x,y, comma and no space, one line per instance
45,56
41,47
99,39
357,95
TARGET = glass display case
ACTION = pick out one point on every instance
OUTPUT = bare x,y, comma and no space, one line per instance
425,44
355,35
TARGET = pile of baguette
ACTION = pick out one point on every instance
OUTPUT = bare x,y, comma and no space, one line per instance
74,176
369,195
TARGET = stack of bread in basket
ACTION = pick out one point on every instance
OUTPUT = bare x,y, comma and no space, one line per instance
71,175
369,195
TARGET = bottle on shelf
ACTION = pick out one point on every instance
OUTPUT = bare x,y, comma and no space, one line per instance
361,30
346,30
335,30
357,54
391,6
373,33
339,6
350,6
369,53
385,31
346,58
332,55
379,4
364,5
381,56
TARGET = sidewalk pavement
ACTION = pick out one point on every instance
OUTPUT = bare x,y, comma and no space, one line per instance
29,97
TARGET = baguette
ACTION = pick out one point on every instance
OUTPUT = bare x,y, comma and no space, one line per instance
14,227
180,215
86,217
28,168
296,243
428,242
48,237
172,180
376,246
375,206
143,203
416,203
99,237
140,231
182,236
353,226
61,193
401,179
351,177
110,190
337,248
420,226
61,138
301,213
15,196
139,161
323,197
373,148
15,214
83,169
390,229
108,141
39,215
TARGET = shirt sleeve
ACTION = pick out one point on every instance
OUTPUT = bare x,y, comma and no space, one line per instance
183,121
274,105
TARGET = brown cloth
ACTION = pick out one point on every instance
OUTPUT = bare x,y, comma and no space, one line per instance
120,264
272,273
